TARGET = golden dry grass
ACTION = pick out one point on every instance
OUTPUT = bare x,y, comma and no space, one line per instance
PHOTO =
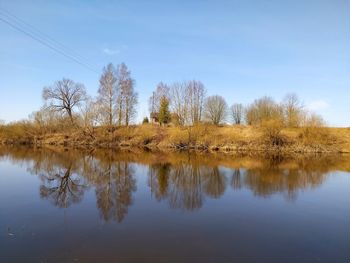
200,137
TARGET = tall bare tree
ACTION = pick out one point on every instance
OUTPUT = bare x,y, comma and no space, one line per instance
107,94
215,109
179,102
195,92
64,96
237,111
126,96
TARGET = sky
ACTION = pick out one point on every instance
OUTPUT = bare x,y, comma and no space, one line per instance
241,50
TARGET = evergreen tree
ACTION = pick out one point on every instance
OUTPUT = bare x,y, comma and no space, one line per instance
164,113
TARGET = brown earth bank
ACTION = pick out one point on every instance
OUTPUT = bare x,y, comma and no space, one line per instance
201,138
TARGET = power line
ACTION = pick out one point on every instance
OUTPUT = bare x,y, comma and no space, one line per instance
42,35
45,43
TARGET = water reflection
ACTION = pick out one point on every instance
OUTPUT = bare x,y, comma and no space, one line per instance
114,184
182,180
61,182
184,185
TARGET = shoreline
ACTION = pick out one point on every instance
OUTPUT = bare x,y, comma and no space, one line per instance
209,139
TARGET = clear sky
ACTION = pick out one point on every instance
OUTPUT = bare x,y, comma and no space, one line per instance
239,49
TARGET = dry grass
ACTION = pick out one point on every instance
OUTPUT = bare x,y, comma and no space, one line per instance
200,137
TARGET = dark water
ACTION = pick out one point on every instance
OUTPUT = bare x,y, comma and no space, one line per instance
103,206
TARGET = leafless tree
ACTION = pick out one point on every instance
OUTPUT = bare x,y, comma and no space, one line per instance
195,92
263,109
293,110
311,119
107,94
179,102
215,109
237,111
126,96
64,96
90,115
46,119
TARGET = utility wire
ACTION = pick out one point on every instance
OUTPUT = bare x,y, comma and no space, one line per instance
45,43
42,35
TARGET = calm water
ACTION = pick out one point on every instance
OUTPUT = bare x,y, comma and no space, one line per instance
103,206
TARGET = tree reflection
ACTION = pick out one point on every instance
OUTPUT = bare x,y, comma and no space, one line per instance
158,179
215,183
114,186
274,177
183,181
62,187
184,185
236,179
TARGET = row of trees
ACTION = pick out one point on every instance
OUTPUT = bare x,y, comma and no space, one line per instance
181,103
115,102
185,100
185,103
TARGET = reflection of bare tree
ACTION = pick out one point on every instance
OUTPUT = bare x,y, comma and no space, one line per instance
114,186
215,183
236,181
62,187
62,183
66,175
272,177
185,185
181,180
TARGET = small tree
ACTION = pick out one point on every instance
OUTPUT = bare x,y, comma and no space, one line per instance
145,120
293,110
162,90
215,109
164,113
237,111
263,109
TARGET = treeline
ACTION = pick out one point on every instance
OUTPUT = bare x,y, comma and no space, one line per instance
68,106
115,103
186,103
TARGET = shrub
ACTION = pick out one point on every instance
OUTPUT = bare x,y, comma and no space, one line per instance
272,132
145,120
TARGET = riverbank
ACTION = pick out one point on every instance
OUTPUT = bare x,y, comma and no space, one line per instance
200,138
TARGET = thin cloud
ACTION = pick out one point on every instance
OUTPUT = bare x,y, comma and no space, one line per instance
111,52
318,105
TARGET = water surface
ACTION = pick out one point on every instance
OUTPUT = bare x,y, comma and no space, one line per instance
108,206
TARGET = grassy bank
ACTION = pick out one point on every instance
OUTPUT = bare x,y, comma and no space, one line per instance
268,138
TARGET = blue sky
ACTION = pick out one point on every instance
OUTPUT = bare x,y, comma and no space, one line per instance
241,50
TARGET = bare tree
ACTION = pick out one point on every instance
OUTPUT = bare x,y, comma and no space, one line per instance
90,114
215,109
179,102
263,109
126,96
107,94
237,111
195,92
293,110
64,96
